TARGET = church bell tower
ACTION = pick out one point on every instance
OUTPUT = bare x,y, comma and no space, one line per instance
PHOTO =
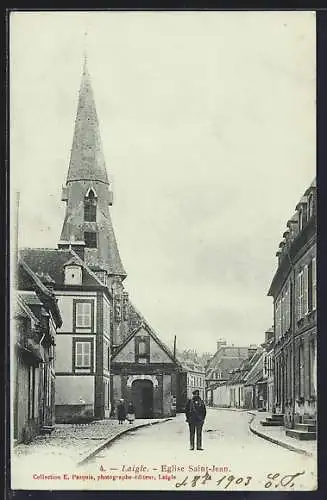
87,227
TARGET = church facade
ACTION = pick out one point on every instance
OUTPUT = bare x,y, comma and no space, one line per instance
99,356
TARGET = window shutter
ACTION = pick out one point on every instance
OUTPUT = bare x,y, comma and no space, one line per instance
305,291
314,284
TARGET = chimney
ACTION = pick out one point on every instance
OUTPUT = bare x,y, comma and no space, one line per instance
221,342
251,350
269,334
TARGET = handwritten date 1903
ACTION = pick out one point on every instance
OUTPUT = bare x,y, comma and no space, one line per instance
273,480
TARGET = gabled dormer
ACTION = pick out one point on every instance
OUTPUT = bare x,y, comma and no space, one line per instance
73,272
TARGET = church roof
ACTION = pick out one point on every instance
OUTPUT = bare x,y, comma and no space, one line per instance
144,324
87,159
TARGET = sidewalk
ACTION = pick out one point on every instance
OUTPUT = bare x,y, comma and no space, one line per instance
71,444
277,435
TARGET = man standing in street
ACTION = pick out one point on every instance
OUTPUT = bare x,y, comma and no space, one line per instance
195,412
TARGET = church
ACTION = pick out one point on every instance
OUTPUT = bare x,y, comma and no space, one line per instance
105,348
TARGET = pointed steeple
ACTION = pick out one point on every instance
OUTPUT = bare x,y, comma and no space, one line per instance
87,226
87,160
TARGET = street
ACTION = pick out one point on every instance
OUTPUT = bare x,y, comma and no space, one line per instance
154,458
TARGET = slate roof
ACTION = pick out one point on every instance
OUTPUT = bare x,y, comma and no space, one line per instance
87,160
256,373
190,366
22,308
52,261
41,289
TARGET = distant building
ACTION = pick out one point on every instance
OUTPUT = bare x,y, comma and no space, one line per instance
255,383
190,378
219,367
35,321
293,289
245,386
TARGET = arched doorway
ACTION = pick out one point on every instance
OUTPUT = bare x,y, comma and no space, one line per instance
142,396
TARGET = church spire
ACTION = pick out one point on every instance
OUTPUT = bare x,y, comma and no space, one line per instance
86,159
87,226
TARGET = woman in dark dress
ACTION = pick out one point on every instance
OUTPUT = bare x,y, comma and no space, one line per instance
121,411
130,412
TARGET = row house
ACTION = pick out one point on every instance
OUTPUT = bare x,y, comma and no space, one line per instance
268,367
190,378
246,386
35,320
219,367
82,363
293,289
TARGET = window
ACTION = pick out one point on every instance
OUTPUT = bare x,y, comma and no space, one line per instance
106,355
310,206
314,285
90,238
73,275
278,318
106,394
300,295
300,219
305,291
83,314
90,207
142,349
83,354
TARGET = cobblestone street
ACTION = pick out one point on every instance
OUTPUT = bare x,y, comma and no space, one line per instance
66,446
228,444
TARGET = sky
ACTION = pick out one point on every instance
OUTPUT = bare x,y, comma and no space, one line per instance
207,122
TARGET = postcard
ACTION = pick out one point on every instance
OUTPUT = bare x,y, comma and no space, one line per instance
163,250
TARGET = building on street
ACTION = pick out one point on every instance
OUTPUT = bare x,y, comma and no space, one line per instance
219,367
83,341
36,318
144,371
293,290
190,378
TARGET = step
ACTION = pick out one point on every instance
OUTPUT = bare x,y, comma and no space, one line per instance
310,421
306,427
271,423
301,435
275,419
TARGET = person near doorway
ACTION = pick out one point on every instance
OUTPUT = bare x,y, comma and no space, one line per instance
195,412
121,411
130,412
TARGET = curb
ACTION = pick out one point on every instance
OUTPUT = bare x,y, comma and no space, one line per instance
113,438
277,441
217,408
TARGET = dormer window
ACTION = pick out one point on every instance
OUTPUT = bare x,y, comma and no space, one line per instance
73,275
310,206
90,207
301,219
